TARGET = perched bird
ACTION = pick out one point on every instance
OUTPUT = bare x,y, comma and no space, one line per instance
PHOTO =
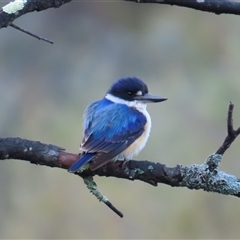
118,126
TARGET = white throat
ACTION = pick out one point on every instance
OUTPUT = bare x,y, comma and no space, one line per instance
140,106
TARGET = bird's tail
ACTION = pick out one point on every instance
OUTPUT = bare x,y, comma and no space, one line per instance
81,161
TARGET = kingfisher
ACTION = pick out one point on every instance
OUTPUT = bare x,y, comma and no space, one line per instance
116,127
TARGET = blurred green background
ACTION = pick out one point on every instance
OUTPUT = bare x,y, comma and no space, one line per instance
191,57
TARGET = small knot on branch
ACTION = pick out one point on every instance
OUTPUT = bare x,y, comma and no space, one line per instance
213,161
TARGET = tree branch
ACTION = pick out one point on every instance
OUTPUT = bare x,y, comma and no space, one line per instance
214,6
204,176
17,8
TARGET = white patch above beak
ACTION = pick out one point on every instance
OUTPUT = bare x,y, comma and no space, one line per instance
139,93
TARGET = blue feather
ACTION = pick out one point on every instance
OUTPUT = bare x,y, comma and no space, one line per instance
109,128
112,121
81,161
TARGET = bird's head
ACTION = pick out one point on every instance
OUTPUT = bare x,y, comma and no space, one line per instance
131,89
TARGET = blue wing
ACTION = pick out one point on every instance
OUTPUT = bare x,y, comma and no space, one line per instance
109,129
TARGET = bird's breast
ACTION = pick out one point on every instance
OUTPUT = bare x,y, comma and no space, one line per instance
140,142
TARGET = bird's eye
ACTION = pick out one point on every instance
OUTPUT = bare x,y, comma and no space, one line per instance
130,93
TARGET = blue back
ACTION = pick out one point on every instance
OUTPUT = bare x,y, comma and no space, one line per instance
112,121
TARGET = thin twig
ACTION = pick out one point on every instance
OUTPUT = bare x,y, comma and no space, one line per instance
232,134
31,34
92,186
114,209
230,120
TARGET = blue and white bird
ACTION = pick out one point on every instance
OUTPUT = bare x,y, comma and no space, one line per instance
118,126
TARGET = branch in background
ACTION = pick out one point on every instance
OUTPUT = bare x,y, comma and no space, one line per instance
214,6
17,8
31,34
204,176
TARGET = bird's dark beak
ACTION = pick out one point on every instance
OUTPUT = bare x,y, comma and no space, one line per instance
149,98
